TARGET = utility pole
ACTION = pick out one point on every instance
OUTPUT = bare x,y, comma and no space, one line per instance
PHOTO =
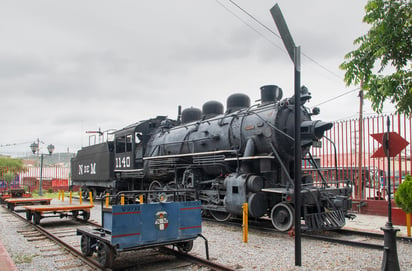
294,53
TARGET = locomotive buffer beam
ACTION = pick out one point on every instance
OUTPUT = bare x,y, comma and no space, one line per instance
333,218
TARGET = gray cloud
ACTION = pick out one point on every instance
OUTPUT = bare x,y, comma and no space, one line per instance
67,67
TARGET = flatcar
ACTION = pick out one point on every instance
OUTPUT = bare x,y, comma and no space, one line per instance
242,154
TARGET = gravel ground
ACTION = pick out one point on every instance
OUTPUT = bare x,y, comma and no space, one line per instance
275,251
28,254
264,251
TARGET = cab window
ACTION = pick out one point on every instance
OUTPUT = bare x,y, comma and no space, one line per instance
120,144
129,141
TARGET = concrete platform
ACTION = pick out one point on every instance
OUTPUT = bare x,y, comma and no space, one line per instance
6,263
372,223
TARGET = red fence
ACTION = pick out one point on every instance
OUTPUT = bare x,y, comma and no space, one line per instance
354,148
53,178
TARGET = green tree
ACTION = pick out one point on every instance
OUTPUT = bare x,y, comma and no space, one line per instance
382,62
9,168
403,195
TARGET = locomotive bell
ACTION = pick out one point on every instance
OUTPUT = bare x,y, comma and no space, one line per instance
270,94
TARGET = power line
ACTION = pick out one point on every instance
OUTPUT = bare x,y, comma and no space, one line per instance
343,94
274,33
13,144
256,20
252,28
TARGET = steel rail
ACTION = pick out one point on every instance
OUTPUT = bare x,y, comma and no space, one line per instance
322,237
95,265
70,249
90,262
187,257
197,260
375,235
343,241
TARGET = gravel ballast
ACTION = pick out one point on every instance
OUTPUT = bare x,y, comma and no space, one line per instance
264,250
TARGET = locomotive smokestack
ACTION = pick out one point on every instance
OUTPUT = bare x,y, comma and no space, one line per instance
270,94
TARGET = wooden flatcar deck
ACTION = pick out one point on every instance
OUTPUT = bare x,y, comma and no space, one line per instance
13,202
38,212
13,193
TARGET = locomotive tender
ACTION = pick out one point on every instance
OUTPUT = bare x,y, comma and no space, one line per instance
243,154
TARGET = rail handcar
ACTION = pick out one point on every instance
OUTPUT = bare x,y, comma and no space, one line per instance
242,154
134,226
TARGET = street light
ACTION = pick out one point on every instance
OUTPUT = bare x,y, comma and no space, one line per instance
35,147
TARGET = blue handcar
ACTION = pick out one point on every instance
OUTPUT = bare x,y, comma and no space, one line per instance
136,225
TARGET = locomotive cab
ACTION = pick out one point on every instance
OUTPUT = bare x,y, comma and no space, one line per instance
130,145
125,146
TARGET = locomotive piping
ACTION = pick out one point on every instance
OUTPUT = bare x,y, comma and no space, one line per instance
249,151
336,158
316,166
246,113
187,154
273,127
282,165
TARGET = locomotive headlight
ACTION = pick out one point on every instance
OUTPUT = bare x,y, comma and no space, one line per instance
321,127
313,131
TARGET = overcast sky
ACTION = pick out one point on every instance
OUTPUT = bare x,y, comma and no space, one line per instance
71,66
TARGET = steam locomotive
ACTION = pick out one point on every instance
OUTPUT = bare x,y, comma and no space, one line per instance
242,154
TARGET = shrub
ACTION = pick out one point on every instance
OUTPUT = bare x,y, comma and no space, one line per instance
403,196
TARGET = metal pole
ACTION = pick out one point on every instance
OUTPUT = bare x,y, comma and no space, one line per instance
360,154
41,176
294,53
390,254
388,183
245,222
298,160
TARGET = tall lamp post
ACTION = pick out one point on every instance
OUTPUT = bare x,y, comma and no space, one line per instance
35,147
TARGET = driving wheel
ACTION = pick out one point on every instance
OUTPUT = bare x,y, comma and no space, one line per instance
220,216
282,216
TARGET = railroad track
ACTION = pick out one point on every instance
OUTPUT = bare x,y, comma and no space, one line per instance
58,234
343,236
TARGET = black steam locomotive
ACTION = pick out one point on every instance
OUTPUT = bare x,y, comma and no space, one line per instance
242,154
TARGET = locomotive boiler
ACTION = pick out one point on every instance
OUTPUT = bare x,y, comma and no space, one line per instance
242,154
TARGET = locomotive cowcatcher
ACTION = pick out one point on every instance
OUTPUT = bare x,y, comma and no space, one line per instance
242,154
